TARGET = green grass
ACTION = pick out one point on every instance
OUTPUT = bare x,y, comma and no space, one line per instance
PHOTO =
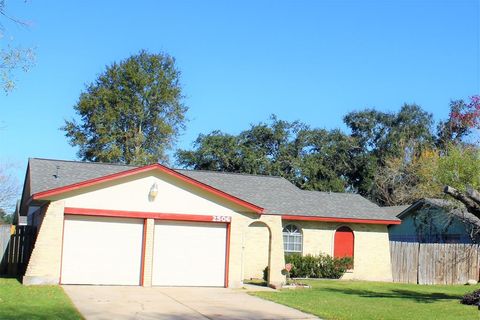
330,299
34,302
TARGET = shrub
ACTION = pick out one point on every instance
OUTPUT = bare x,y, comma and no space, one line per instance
472,298
265,274
319,266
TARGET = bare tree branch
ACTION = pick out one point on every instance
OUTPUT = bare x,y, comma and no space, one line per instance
9,188
474,195
12,59
472,206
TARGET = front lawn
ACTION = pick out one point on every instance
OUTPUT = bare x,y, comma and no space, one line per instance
334,299
34,302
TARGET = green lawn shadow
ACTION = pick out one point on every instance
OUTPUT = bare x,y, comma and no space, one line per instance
397,294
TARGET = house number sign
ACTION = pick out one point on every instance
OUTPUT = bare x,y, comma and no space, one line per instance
221,218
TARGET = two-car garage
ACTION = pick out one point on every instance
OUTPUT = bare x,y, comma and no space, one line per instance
101,250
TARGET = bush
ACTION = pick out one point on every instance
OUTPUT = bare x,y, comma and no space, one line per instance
471,298
319,266
265,274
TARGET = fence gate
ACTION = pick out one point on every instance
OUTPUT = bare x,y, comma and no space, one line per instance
16,244
434,263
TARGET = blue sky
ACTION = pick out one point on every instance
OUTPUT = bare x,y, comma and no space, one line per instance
242,61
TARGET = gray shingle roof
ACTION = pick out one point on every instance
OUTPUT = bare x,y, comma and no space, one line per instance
46,174
275,194
394,211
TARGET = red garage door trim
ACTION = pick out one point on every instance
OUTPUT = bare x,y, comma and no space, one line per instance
147,215
344,220
227,255
344,243
157,216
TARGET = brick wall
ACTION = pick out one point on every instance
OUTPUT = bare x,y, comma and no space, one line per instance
45,261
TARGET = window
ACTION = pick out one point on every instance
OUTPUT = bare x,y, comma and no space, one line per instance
292,239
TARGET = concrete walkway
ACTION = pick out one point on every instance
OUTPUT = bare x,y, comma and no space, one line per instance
117,302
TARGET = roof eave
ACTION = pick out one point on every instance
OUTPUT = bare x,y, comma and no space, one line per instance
337,219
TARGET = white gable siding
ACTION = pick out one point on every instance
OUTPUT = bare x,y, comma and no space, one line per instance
132,194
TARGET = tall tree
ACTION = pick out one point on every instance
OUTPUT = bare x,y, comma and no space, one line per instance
454,171
463,119
329,161
12,58
388,157
132,113
215,151
386,134
262,149
313,159
387,140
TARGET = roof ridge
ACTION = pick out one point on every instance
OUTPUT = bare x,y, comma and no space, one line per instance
398,205
231,173
331,192
86,162
176,169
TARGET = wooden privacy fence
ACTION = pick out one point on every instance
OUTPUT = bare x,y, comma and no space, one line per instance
434,263
16,245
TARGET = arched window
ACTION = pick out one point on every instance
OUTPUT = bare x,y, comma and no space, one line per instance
344,243
292,239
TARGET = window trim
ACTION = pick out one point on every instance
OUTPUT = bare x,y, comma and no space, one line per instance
292,236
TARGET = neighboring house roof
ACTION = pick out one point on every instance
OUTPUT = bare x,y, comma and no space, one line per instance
451,207
394,211
275,195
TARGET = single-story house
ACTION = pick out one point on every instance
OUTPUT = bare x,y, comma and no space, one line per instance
432,220
112,224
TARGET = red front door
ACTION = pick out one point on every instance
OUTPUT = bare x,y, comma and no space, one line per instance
344,243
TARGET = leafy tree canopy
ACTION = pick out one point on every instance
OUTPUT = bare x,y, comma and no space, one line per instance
386,134
463,120
314,159
388,157
132,113
5,218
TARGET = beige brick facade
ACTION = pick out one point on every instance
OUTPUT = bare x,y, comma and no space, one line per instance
148,254
256,250
255,240
239,232
371,250
45,261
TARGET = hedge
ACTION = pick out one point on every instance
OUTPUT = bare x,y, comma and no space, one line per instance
318,266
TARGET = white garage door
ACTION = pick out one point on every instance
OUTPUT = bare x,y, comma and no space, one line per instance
189,254
98,250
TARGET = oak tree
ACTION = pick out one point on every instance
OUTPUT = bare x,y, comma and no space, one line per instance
131,114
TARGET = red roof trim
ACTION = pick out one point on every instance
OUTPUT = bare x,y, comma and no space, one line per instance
348,220
156,166
146,215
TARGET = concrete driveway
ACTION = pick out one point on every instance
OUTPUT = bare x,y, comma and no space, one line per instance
117,302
